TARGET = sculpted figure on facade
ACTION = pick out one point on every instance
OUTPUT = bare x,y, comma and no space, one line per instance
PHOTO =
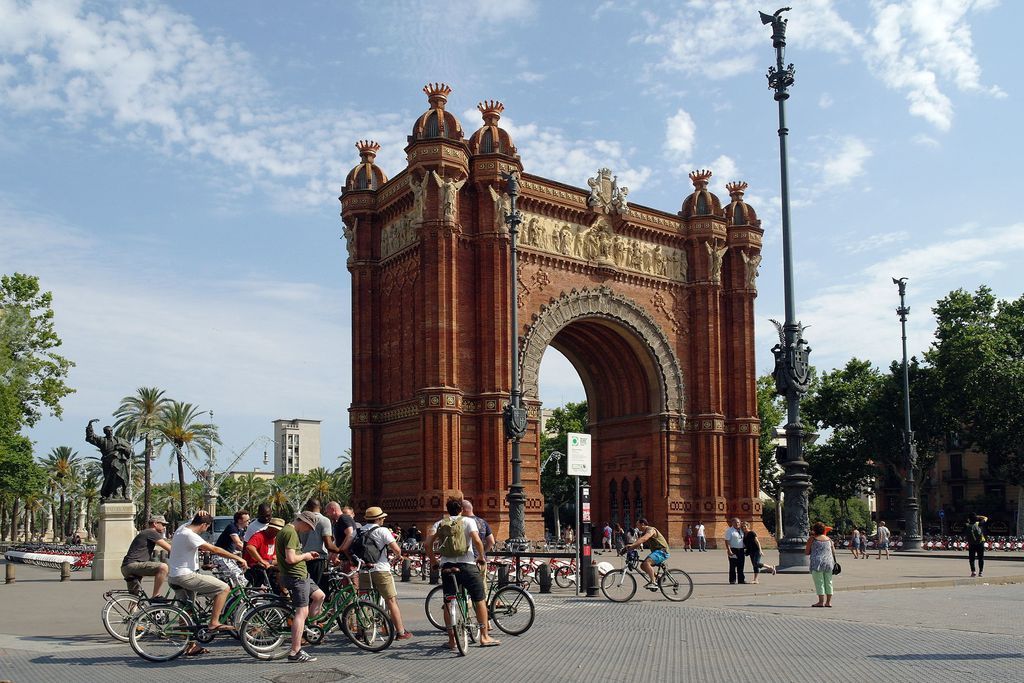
419,198
449,194
350,237
752,263
564,241
715,256
658,261
502,205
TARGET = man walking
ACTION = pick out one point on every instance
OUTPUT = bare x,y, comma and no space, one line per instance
734,548
307,598
136,562
976,542
458,538
883,540
702,542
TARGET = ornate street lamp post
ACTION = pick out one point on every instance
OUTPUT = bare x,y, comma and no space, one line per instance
912,535
792,369
514,413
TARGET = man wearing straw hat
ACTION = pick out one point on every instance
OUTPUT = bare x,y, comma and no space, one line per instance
378,574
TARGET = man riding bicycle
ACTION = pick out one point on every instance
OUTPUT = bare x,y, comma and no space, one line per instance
652,539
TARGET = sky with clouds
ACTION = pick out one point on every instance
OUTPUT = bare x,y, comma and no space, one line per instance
171,171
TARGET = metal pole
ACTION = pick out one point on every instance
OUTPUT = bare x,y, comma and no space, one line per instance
912,535
514,414
576,535
792,368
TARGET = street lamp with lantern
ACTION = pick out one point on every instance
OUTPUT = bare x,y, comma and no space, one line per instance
792,368
912,532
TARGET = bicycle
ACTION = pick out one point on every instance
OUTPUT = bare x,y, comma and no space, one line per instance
510,608
265,631
120,607
164,631
619,585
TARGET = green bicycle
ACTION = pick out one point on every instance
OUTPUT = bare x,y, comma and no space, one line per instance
266,630
510,607
163,631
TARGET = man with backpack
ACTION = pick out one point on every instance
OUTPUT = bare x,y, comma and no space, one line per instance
976,542
457,537
370,545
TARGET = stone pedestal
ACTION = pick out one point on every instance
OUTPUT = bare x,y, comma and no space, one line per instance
116,531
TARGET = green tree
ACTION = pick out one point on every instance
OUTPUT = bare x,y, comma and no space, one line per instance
344,473
556,484
772,411
979,352
138,416
62,464
30,367
845,401
21,478
179,427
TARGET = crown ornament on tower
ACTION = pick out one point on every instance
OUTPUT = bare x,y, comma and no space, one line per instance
736,189
700,179
437,94
491,110
367,150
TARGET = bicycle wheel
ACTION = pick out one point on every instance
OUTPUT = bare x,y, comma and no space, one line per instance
161,633
461,626
266,632
251,602
434,607
512,610
618,585
367,626
565,576
117,613
676,585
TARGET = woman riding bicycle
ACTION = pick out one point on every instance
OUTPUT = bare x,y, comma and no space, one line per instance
651,539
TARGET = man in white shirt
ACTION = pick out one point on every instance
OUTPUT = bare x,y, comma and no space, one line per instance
734,548
702,541
263,517
464,569
184,566
378,574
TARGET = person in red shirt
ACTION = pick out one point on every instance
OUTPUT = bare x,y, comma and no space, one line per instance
259,552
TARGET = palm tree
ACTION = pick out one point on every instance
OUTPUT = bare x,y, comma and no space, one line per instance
89,489
138,416
250,491
63,464
180,428
344,478
320,484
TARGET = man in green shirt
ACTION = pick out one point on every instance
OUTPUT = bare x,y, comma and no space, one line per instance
652,539
307,598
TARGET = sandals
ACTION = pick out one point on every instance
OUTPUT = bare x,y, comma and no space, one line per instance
491,643
197,651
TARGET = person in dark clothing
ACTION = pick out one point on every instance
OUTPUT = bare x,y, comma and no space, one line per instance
976,542
231,538
752,548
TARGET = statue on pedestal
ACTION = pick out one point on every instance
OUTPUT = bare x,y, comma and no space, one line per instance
115,460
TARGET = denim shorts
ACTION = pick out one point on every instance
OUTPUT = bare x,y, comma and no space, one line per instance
658,556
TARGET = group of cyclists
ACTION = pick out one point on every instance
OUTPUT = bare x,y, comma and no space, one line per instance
290,559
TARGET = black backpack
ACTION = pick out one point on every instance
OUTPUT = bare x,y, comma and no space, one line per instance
367,547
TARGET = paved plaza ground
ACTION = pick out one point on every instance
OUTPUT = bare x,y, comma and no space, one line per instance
911,618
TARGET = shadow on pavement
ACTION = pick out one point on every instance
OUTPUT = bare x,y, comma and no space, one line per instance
947,657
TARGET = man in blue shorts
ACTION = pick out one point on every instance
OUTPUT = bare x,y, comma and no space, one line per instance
651,539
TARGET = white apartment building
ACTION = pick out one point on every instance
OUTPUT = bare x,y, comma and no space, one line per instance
296,447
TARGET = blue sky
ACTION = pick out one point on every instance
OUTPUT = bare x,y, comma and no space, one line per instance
171,171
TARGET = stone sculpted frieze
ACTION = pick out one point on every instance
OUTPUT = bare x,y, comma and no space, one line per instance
599,244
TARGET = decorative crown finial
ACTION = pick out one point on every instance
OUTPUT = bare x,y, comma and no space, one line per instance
367,150
736,189
437,94
700,179
491,109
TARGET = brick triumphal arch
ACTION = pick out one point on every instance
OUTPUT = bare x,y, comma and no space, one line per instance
655,310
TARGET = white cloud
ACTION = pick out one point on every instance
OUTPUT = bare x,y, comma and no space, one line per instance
725,171
680,135
531,77
876,241
825,101
844,161
925,140
918,44
146,75
854,319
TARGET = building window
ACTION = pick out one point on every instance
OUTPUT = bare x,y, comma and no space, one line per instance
956,466
613,496
958,494
625,505
638,498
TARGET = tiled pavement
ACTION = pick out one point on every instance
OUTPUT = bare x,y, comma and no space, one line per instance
725,633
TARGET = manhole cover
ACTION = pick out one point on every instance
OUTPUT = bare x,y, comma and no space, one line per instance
324,676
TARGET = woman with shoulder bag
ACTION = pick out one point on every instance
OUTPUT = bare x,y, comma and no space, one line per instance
822,563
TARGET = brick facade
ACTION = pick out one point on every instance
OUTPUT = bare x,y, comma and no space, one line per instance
655,310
